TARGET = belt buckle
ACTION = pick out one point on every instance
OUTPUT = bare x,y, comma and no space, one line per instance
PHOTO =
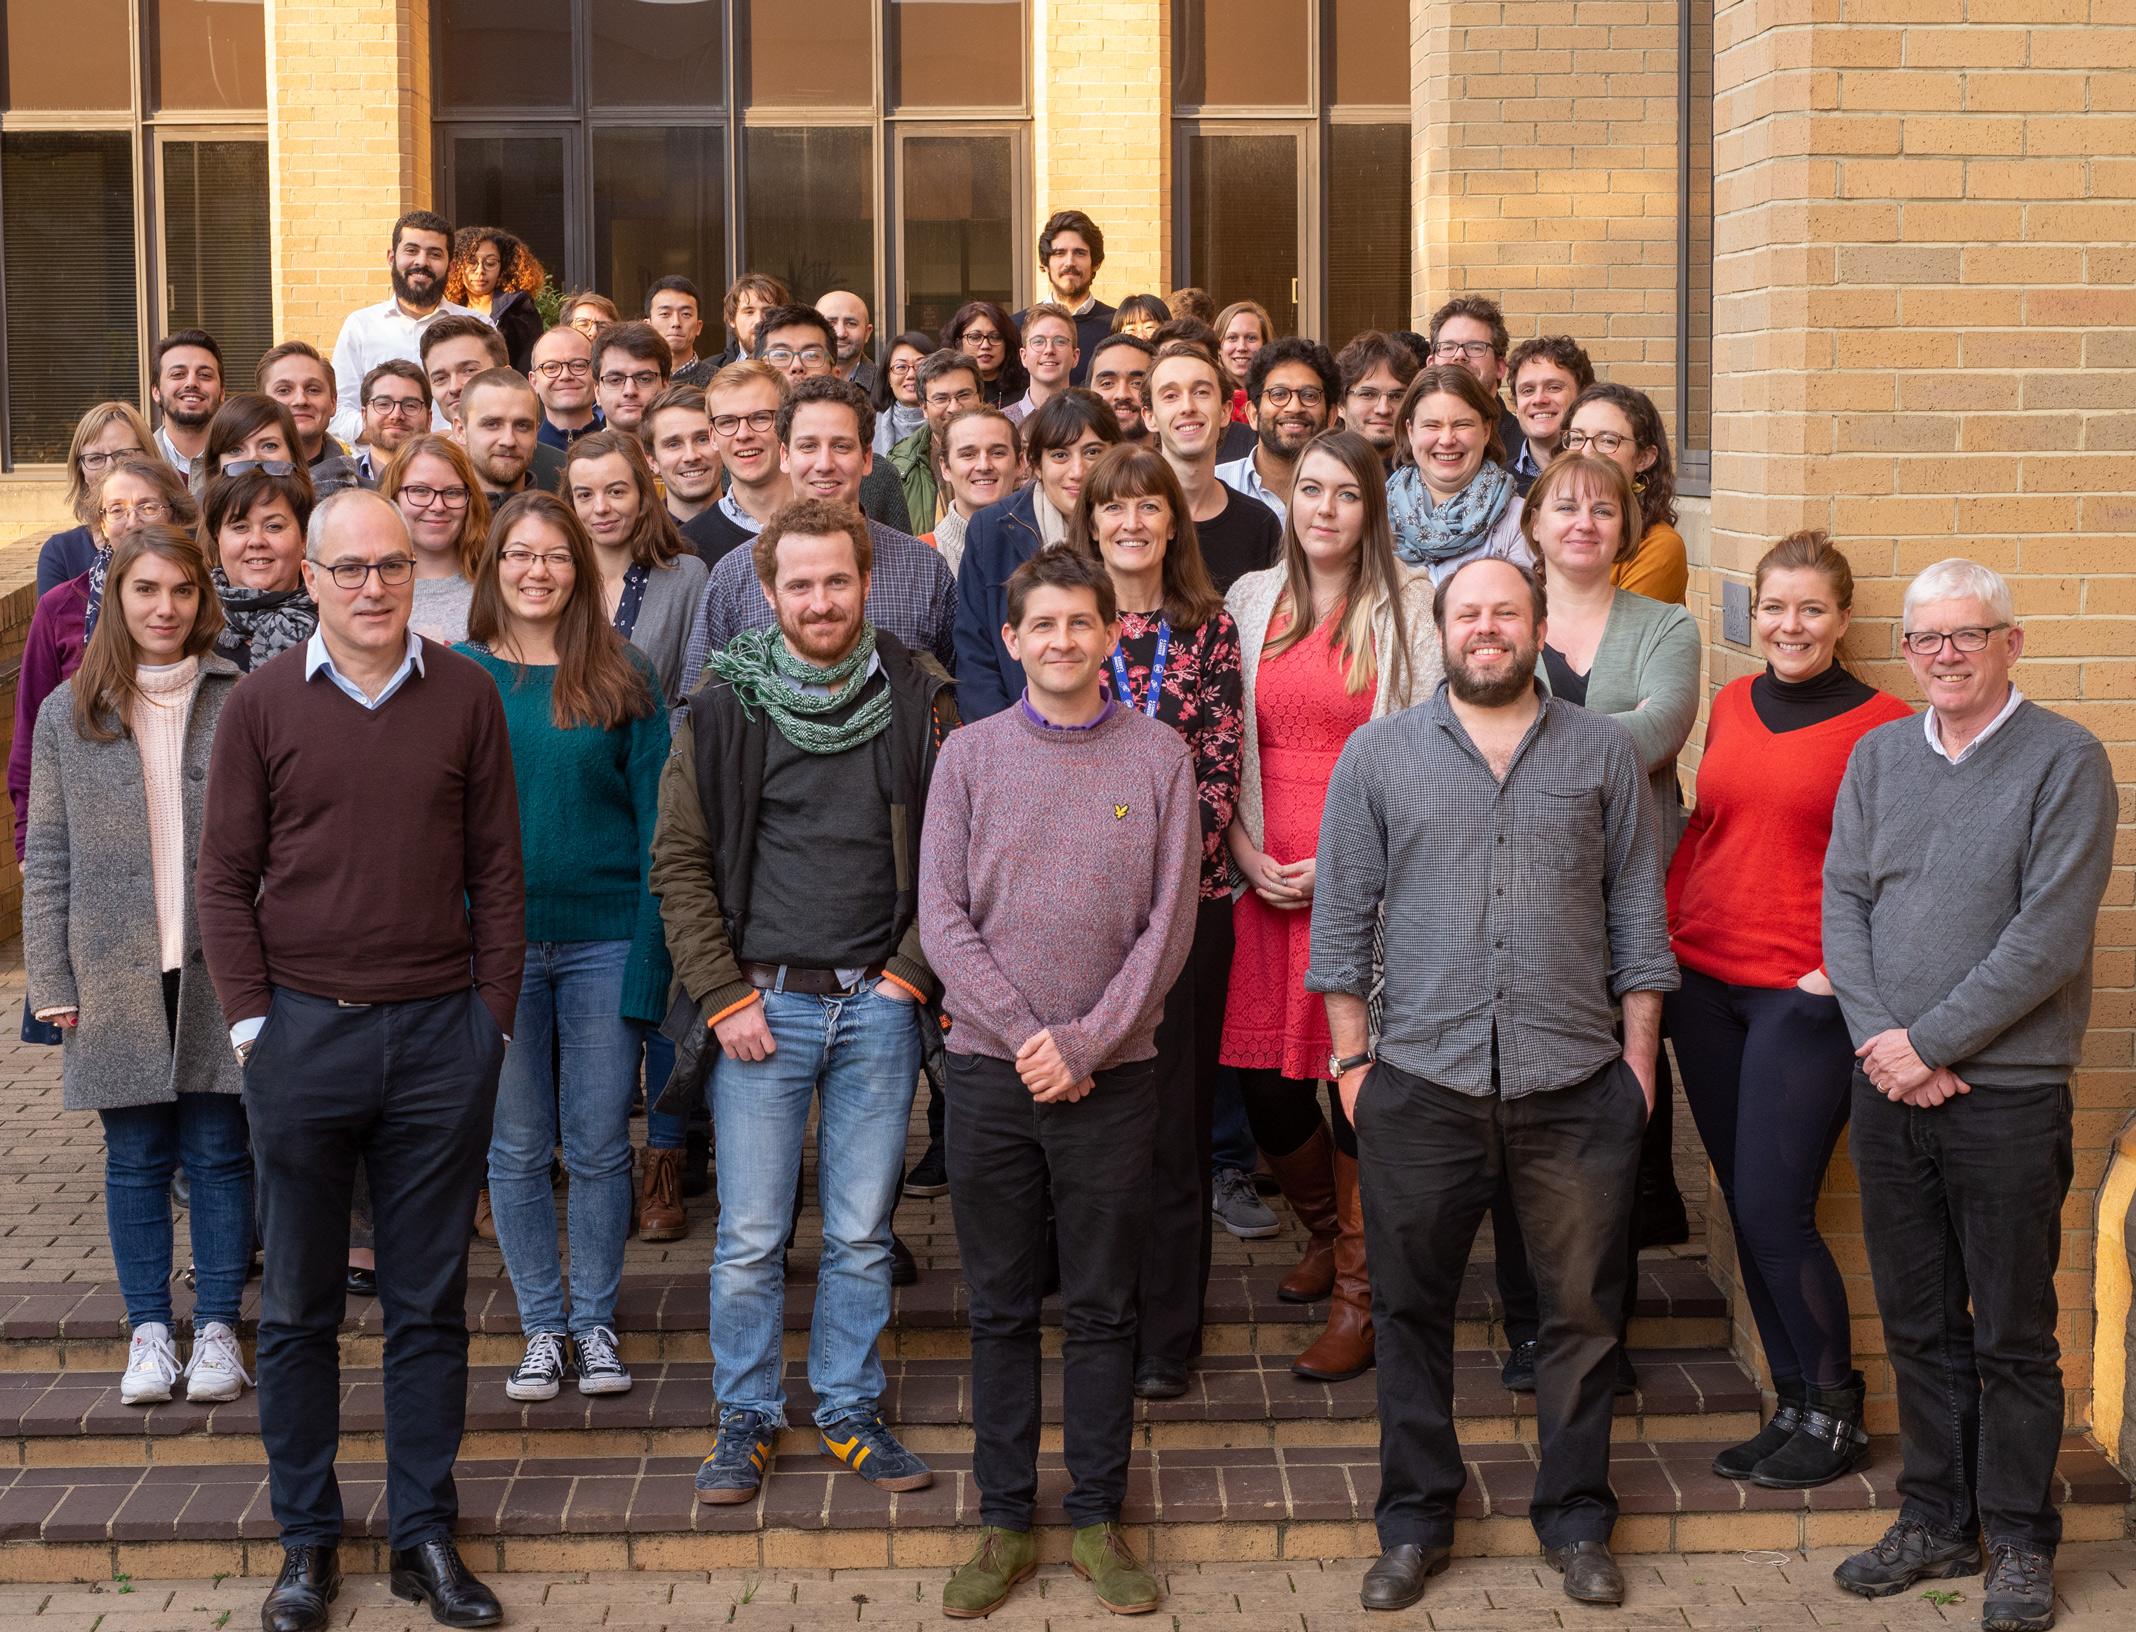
344,1003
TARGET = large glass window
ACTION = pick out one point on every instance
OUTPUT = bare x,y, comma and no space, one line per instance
660,210
116,224
1292,170
959,224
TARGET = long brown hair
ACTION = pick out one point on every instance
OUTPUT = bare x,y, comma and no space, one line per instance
655,541
1655,485
1132,471
474,520
1453,380
596,682
1375,576
106,684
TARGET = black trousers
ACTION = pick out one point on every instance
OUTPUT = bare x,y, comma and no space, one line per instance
1175,1251
1962,1216
1429,1160
1005,1150
410,1088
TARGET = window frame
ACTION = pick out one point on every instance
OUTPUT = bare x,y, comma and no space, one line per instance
1694,465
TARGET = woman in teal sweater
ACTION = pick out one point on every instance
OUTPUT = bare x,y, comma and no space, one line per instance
589,737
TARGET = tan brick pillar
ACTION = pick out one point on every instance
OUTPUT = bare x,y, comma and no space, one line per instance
348,100
1925,340
1101,78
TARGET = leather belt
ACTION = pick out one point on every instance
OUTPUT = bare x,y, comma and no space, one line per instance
808,982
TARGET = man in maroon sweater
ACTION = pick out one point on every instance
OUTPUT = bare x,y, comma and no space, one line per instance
363,916
1059,866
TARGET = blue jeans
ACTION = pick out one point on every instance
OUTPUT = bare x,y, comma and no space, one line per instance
664,1130
862,1055
1231,1140
572,992
143,1146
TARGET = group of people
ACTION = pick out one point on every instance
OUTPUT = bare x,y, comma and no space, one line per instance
1132,720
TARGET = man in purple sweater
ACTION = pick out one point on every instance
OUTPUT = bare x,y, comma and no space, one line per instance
1058,868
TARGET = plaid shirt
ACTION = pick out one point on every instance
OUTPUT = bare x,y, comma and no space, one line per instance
911,593
1517,912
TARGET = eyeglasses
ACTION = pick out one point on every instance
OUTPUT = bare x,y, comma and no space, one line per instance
94,462
780,356
1371,396
1048,342
269,467
121,514
1928,642
906,366
761,419
980,337
423,496
644,379
521,559
1279,396
574,366
1463,351
395,407
1603,442
951,399
395,569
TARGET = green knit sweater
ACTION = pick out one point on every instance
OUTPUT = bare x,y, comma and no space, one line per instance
587,801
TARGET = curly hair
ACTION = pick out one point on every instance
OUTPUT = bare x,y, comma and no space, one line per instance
1657,483
517,269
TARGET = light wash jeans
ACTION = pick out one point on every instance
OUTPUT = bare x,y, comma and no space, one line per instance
571,1001
862,1055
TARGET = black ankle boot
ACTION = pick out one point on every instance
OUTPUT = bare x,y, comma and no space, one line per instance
1740,1461
1827,1443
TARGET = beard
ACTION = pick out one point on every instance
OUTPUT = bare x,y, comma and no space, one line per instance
405,291
821,641
1278,444
1491,690
189,419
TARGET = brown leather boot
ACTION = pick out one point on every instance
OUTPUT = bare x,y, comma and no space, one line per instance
485,1224
660,1213
1307,1176
1345,1348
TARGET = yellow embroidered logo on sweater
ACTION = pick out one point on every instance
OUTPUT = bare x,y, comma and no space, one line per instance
1119,813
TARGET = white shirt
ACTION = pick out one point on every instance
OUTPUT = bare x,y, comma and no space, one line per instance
378,334
1935,735
1242,475
178,461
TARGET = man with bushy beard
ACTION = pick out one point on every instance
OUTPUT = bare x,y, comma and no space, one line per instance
416,263
1511,840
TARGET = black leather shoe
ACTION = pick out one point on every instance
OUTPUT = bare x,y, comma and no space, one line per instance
298,1600
1591,1575
1396,1579
904,1271
433,1574
1159,1379
362,1281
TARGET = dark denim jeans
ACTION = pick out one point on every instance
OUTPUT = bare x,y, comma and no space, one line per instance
143,1146
1429,1161
1962,1205
1005,1150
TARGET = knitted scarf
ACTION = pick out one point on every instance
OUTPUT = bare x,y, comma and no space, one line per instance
1453,527
261,623
763,674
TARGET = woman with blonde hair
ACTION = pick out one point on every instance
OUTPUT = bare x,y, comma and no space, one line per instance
649,580
106,433
1242,328
1335,634
435,487
111,950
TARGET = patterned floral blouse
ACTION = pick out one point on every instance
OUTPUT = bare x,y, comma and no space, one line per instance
1203,699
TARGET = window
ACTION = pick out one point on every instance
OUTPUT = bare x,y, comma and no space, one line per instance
1292,158
1694,282
871,145
133,201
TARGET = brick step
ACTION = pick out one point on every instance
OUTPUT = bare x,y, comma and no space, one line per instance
619,1513
62,1418
662,1317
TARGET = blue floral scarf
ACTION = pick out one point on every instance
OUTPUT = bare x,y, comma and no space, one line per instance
1427,533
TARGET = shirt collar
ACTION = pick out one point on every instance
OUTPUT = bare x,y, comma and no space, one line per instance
1023,701
731,508
317,657
1934,732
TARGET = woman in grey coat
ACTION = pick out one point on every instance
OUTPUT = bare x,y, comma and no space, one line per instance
112,947
651,580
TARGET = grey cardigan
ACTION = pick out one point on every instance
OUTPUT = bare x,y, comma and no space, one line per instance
89,938
1650,653
663,627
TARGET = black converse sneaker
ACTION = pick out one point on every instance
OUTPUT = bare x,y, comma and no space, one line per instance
540,1372
600,1368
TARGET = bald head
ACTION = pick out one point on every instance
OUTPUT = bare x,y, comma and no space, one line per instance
847,315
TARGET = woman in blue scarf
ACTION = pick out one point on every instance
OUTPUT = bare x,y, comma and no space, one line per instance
1451,500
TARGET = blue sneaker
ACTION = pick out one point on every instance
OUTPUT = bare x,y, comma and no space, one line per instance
869,1449
740,1458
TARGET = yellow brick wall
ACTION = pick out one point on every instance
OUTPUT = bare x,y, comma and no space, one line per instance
1101,139
348,98
1925,340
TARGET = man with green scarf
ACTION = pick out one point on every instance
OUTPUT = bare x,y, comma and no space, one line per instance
784,859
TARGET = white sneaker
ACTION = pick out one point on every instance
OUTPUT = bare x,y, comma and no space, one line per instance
217,1369
151,1366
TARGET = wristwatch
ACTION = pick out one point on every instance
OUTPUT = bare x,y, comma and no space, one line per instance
1339,1063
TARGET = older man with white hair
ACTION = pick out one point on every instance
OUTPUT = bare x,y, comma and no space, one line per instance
1968,856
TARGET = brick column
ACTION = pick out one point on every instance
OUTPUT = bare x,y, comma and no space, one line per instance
1925,340
348,98
1101,131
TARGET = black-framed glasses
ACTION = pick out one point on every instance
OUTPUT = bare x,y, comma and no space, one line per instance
1279,396
93,463
1928,642
644,379
760,419
397,407
574,366
393,571
780,356
1463,351
422,495
1603,442
267,467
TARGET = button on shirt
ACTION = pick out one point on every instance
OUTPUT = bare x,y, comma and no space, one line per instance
380,334
1241,474
1518,911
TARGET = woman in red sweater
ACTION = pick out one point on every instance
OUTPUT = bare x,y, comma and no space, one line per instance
1766,1060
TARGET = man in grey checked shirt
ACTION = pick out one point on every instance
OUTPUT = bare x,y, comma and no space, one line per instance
1513,843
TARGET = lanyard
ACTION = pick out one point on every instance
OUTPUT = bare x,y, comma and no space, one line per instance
1119,667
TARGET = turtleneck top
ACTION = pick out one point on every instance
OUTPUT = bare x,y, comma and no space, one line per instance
156,715
1789,705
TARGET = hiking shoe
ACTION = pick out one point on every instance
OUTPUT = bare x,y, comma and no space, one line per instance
1234,1204
216,1370
151,1366
740,1458
540,1372
1518,1374
929,1177
600,1368
983,1585
872,1451
1908,1552
1102,1557
2020,1590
